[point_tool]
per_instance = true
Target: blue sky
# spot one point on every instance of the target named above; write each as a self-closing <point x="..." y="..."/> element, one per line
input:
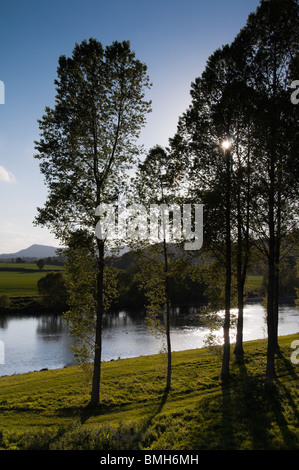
<point x="174" y="38"/>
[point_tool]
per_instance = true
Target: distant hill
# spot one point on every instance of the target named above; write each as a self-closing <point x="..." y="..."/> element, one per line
<point x="34" y="251"/>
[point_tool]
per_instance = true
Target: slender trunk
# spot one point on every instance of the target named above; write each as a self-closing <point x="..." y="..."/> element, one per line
<point x="272" y="304"/>
<point x="271" y="321"/>
<point x="277" y="254"/>
<point x="239" y="352"/>
<point x="168" y="379"/>
<point x="96" y="380"/>
<point x="242" y="269"/>
<point x="276" y="299"/>
<point x="226" y="327"/>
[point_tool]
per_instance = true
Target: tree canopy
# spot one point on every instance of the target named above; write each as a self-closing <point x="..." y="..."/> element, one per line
<point x="88" y="142"/>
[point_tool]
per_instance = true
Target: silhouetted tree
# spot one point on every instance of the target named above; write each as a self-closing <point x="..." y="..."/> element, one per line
<point x="40" y="263"/>
<point x="155" y="184"/>
<point x="244" y="95"/>
<point x="271" y="51"/>
<point x="88" y="141"/>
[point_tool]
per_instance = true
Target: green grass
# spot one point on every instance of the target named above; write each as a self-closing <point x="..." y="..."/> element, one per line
<point x="19" y="283"/>
<point x="47" y="410"/>
<point x="21" y="278"/>
<point x="253" y="284"/>
<point x="254" y="281"/>
<point x="31" y="266"/>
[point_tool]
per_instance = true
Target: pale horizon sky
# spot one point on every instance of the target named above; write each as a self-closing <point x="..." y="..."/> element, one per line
<point x="173" y="37"/>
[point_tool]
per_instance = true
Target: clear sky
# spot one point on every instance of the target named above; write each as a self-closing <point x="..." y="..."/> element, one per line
<point x="173" y="37"/>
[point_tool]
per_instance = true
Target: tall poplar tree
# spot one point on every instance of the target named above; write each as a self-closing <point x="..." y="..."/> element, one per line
<point x="88" y="141"/>
<point x="269" y="42"/>
<point x="155" y="183"/>
<point x="244" y="94"/>
<point x="213" y="140"/>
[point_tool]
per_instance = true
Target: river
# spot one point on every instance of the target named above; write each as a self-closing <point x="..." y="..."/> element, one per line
<point x="29" y="343"/>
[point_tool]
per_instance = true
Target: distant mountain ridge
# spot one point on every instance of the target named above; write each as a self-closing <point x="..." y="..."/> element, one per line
<point x="33" y="251"/>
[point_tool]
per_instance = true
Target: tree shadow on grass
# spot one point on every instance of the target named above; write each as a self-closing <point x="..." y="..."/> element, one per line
<point x="290" y="439"/>
<point x="226" y="438"/>
<point x="253" y="410"/>
<point x="92" y="411"/>
<point x="158" y="410"/>
<point x="162" y="403"/>
<point x="247" y="414"/>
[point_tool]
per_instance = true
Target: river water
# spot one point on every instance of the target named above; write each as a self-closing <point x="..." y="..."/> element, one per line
<point x="29" y="343"/>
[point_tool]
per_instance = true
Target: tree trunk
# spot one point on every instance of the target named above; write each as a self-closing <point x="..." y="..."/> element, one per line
<point x="95" y="392"/>
<point x="226" y="327"/>
<point x="273" y="262"/>
<point x="168" y="379"/>
<point x="271" y="320"/>
<point x="239" y="352"/>
<point x="277" y="253"/>
<point x="242" y="268"/>
<point x="276" y="302"/>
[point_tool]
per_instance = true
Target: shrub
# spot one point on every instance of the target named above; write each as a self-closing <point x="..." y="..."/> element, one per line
<point x="4" y="301"/>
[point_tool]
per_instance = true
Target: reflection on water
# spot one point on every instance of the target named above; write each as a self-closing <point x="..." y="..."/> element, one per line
<point x="50" y="327"/>
<point x="3" y="322"/>
<point x="33" y="343"/>
<point x="36" y="342"/>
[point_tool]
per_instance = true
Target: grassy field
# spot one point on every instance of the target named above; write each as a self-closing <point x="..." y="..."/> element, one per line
<point x="253" y="285"/>
<point x="47" y="410"/>
<point x="20" y="279"/>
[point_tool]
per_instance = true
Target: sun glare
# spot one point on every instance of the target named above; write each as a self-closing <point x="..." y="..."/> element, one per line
<point x="226" y="144"/>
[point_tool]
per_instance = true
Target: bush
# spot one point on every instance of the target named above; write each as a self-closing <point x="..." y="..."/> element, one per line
<point x="53" y="290"/>
<point x="4" y="301"/>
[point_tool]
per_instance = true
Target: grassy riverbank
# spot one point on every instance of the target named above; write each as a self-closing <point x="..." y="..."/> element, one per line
<point x="47" y="409"/>
<point x="19" y="288"/>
